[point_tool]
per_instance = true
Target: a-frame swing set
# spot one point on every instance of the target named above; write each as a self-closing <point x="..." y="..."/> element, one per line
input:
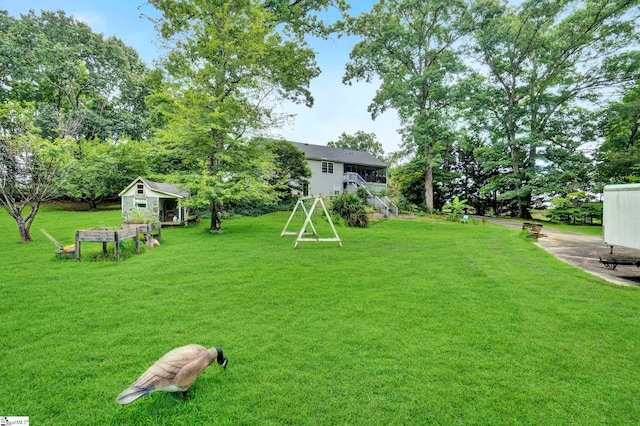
<point x="308" y="222"/>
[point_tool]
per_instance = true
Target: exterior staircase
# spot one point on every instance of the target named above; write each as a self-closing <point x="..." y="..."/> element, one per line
<point x="381" y="203"/>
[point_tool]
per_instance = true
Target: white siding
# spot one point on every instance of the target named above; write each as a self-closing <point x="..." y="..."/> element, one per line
<point x="148" y="192"/>
<point x="323" y="183"/>
<point x="155" y="203"/>
<point x="621" y="215"/>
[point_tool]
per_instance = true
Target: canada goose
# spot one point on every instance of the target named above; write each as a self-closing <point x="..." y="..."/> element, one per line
<point x="174" y="372"/>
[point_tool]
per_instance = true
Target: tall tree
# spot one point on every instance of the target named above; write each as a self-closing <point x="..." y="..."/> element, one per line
<point x="410" y="45"/>
<point x="227" y="59"/>
<point x="359" y="141"/>
<point x="541" y="60"/>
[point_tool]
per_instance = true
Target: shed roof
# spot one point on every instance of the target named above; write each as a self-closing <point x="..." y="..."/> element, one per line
<point x="340" y="155"/>
<point x="164" y="188"/>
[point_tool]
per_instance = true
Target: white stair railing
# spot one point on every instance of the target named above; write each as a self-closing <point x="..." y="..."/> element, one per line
<point x="385" y="205"/>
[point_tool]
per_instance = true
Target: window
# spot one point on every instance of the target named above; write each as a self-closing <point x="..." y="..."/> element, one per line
<point x="141" y="203"/>
<point x="327" y="167"/>
<point x="140" y="189"/>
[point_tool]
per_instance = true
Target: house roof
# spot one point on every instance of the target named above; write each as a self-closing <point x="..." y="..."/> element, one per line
<point x="340" y="155"/>
<point x="164" y="188"/>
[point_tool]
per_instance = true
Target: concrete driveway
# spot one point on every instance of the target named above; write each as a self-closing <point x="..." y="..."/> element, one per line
<point x="584" y="251"/>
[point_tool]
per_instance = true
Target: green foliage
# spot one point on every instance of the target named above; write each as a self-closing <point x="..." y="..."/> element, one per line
<point x="467" y="173"/>
<point x="81" y="84"/>
<point x="351" y="209"/>
<point x="142" y="216"/>
<point x="319" y="334"/>
<point x="257" y="208"/>
<point x="292" y="171"/>
<point x="127" y="250"/>
<point x="457" y="206"/>
<point x="619" y="156"/>
<point x="32" y="169"/>
<point x="362" y="193"/>
<point x="547" y="62"/>
<point x="104" y="169"/>
<point x="575" y="208"/>
<point x="241" y="175"/>
<point x="360" y="141"/>
<point x="408" y="178"/>
<point x="409" y="46"/>
<point x="228" y="62"/>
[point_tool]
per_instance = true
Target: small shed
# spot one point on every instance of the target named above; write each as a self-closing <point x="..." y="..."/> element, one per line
<point x="147" y="201"/>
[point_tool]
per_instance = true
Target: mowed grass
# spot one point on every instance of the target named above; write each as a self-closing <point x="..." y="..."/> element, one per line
<point x="410" y="322"/>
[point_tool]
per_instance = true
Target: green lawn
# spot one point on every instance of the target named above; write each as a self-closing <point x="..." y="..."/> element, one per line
<point x="579" y="228"/>
<point x="582" y="229"/>
<point x="410" y="322"/>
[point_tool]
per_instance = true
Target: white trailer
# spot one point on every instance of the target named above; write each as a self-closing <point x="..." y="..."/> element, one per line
<point x="621" y="215"/>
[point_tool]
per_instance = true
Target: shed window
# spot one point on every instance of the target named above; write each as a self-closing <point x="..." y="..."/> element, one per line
<point x="141" y="203"/>
<point x="140" y="189"/>
<point x="327" y="167"/>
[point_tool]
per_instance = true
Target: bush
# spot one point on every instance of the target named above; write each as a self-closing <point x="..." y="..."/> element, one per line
<point x="575" y="208"/>
<point x="142" y="216"/>
<point x="257" y="208"/>
<point x="362" y="194"/>
<point x="351" y="209"/>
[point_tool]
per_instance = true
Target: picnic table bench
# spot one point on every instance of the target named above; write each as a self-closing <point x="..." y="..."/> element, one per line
<point x="613" y="262"/>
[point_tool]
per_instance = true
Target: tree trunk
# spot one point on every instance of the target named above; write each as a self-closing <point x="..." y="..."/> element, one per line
<point x="428" y="189"/>
<point x="23" y="228"/>
<point x="216" y="224"/>
<point x="523" y="212"/>
<point x="523" y="207"/>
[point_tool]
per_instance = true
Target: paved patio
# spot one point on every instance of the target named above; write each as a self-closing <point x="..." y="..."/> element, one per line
<point x="584" y="251"/>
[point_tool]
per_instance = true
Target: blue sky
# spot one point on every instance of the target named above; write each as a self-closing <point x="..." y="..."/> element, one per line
<point x="338" y="108"/>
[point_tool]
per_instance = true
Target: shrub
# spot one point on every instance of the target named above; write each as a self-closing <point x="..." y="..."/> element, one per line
<point x="351" y="209"/>
<point x="362" y="193"/>
<point x="575" y="208"/>
<point x="142" y="216"/>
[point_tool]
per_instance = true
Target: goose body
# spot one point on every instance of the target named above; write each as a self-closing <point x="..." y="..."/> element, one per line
<point x="176" y="371"/>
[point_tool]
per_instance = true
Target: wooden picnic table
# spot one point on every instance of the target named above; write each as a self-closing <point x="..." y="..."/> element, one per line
<point x="613" y="262"/>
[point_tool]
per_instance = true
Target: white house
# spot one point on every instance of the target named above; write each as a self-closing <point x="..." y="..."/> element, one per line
<point x="154" y="200"/>
<point x="334" y="170"/>
<point x="338" y="170"/>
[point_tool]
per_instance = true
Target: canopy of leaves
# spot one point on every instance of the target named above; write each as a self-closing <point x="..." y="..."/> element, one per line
<point x="104" y="170"/>
<point x="619" y="155"/>
<point x="360" y="141"/>
<point x="544" y="62"/>
<point x="292" y="172"/>
<point x="81" y="84"/>
<point x="227" y="62"/>
<point x="410" y="46"/>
